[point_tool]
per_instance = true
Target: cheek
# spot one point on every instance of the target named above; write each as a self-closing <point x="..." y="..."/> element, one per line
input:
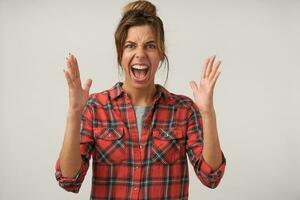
<point x="155" y="62"/>
<point x="125" y="60"/>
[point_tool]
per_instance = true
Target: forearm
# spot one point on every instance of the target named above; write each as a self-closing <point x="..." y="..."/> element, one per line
<point x="211" y="150"/>
<point x="70" y="157"/>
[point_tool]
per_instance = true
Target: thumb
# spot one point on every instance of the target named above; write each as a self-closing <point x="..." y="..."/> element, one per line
<point x="194" y="86"/>
<point x="87" y="85"/>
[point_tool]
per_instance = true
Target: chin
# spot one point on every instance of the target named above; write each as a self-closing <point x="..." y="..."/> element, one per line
<point x="143" y="85"/>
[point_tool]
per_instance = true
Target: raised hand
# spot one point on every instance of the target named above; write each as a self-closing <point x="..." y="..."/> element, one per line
<point x="203" y="94"/>
<point x="78" y="95"/>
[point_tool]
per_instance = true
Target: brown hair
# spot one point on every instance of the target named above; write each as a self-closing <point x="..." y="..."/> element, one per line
<point x="140" y="13"/>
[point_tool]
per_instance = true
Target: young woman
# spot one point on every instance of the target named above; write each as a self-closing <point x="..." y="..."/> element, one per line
<point x="137" y="132"/>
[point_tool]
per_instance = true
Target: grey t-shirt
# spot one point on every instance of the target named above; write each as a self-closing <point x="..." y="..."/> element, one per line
<point x="140" y="113"/>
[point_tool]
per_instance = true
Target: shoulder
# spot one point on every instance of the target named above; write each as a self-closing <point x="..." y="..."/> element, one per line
<point x="180" y="101"/>
<point x="105" y="97"/>
<point x="98" y="98"/>
<point x="183" y="100"/>
<point x="177" y="99"/>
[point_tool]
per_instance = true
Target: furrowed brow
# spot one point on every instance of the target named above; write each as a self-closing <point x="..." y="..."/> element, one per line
<point x="151" y="41"/>
<point x="130" y="42"/>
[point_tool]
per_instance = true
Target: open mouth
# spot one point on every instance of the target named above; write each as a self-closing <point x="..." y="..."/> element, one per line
<point x="139" y="71"/>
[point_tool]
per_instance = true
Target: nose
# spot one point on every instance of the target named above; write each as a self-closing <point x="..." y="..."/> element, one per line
<point x="140" y="53"/>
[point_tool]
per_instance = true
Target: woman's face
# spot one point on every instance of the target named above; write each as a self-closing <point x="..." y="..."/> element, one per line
<point x="140" y="58"/>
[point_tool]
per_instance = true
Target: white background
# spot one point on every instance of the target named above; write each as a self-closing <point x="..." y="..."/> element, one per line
<point x="256" y="97"/>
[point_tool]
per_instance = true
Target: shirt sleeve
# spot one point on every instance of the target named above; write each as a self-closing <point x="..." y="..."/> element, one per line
<point x="73" y="184"/>
<point x="210" y="178"/>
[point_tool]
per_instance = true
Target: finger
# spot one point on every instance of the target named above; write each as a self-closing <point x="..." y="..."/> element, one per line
<point x="69" y="69"/>
<point x="87" y="85"/>
<point x="204" y="68"/>
<point x="76" y="70"/>
<point x="214" y="70"/>
<point x="73" y="75"/>
<point x="68" y="78"/>
<point x="209" y="66"/>
<point x="75" y="65"/>
<point x="215" y="78"/>
<point x="194" y="86"/>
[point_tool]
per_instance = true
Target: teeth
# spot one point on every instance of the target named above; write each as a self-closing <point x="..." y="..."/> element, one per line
<point x="139" y="71"/>
<point x="139" y="67"/>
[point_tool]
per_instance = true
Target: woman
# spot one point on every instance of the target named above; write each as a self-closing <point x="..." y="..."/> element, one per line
<point x="137" y="132"/>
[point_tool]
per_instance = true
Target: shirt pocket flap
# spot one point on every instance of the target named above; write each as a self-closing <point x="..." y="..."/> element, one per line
<point x="171" y="134"/>
<point x="109" y="133"/>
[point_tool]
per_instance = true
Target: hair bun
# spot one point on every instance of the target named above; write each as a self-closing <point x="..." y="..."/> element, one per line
<point x="144" y="6"/>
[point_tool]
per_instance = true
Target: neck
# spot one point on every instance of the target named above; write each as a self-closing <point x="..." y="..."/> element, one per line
<point x="140" y="96"/>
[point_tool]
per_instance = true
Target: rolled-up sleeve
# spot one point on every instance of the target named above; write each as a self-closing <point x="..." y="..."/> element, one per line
<point x="73" y="184"/>
<point x="210" y="178"/>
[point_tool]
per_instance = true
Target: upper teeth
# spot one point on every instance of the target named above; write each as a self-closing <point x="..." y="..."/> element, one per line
<point x="139" y="67"/>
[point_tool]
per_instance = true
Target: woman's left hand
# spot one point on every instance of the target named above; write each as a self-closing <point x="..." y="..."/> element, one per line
<point x="203" y="94"/>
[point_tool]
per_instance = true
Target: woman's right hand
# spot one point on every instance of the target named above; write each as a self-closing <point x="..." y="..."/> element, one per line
<point x="78" y="95"/>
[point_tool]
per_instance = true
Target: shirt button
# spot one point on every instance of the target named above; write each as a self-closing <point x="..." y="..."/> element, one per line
<point x="135" y="188"/>
<point x="141" y="146"/>
<point x="136" y="167"/>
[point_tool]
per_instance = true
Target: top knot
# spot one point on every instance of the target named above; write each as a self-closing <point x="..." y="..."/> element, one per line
<point x="141" y="5"/>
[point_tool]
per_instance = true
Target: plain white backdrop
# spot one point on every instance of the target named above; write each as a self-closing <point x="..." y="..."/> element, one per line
<point x="257" y="97"/>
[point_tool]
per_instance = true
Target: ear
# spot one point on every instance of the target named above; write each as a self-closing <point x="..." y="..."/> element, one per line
<point x="162" y="57"/>
<point x="160" y="64"/>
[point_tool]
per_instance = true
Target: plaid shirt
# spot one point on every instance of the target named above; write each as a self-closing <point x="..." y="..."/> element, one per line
<point x="153" y="167"/>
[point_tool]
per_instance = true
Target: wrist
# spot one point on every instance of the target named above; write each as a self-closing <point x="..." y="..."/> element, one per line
<point x="208" y="113"/>
<point x="74" y="112"/>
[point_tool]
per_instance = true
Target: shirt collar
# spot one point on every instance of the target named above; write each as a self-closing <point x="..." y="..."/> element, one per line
<point x="117" y="91"/>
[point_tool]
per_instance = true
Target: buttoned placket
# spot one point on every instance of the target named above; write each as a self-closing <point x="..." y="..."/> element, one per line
<point x="137" y="154"/>
<point x="139" y="150"/>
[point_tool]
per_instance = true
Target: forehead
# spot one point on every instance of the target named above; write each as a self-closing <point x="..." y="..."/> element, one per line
<point x="142" y="33"/>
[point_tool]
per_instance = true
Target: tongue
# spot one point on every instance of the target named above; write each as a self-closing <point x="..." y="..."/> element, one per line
<point x="139" y="73"/>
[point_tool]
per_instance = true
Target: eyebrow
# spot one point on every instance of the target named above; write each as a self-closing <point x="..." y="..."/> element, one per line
<point x="151" y="41"/>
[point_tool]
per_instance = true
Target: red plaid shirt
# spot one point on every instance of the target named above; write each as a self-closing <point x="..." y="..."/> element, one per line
<point x="153" y="167"/>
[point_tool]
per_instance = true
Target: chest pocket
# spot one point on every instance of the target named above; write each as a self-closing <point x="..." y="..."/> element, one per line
<point x="110" y="145"/>
<point x="167" y="145"/>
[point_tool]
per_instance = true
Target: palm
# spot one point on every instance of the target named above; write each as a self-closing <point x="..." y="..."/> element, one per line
<point x="77" y="94"/>
<point x="203" y="94"/>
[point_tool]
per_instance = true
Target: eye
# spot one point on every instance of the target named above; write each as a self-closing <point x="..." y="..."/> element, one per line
<point x="129" y="46"/>
<point x="151" y="46"/>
